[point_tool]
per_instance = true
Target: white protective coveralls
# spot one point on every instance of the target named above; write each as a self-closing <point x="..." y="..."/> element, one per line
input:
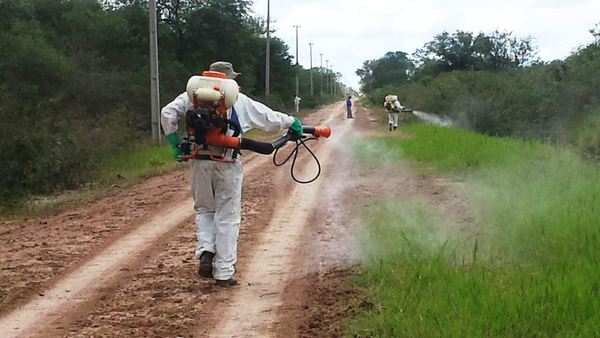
<point x="393" y="111"/>
<point x="217" y="186"/>
<point x="297" y="103"/>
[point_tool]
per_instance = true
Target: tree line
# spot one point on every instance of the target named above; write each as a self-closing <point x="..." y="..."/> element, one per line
<point x="74" y="78"/>
<point x="495" y="84"/>
<point x="448" y="52"/>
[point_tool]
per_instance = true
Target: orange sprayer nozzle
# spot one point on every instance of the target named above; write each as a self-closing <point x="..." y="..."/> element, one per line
<point x="322" y="131"/>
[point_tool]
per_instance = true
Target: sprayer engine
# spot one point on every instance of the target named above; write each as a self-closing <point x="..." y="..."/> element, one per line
<point x="201" y="121"/>
<point x="212" y="96"/>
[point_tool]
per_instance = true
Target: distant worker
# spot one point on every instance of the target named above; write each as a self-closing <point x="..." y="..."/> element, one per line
<point x="349" y="107"/>
<point x="393" y="107"/>
<point x="297" y="103"/>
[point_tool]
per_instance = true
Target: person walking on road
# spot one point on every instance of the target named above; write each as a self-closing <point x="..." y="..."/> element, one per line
<point x="393" y="108"/>
<point x="217" y="185"/>
<point x="349" y="107"/>
<point x="297" y="104"/>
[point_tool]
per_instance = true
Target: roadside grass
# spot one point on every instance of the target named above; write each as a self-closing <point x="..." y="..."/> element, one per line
<point x="142" y="161"/>
<point x="533" y="269"/>
<point x="118" y="170"/>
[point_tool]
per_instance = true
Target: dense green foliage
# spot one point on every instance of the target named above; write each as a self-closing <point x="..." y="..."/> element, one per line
<point x="508" y="95"/>
<point x="466" y="51"/>
<point x="447" y="52"/>
<point x="393" y="68"/>
<point x="117" y="169"/>
<point x="528" y="265"/>
<point x="74" y="78"/>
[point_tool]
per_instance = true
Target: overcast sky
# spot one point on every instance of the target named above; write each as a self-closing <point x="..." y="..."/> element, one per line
<point x="349" y="32"/>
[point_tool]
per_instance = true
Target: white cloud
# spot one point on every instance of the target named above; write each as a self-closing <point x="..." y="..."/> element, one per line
<point x="350" y="32"/>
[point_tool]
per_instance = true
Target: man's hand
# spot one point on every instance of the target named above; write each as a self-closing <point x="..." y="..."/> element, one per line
<point x="296" y="127"/>
<point x="174" y="142"/>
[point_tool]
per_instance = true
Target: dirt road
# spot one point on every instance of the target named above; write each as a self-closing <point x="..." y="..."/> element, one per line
<point x="124" y="266"/>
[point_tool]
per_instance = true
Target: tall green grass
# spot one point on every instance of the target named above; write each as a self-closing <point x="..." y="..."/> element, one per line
<point x="533" y="269"/>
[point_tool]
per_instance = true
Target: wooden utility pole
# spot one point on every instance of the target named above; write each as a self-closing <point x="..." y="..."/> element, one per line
<point x="296" y="26"/>
<point x="312" y="92"/>
<point x="321" y="77"/>
<point x="327" y="76"/>
<point x="154" y="89"/>
<point x="268" y="52"/>
<point x="334" y="84"/>
<point x="297" y="82"/>
<point x="332" y="80"/>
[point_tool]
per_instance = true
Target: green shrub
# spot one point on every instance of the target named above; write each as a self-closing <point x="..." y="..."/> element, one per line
<point x="543" y="101"/>
<point x="588" y="138"/>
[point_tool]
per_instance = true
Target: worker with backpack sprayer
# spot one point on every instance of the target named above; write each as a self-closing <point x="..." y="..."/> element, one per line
<point x="216" y="116"/>
<point x="393" y="108"/>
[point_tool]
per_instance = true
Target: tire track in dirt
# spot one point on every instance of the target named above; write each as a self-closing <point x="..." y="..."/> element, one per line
<point x="35" y="252"/>
<point x="319" y="301"/>
<point x="80" y="285"/>
<point x="327" y="249"/>
<point x="117" y="286"/>
<point x="162" y="295"/>
<point x="251" y="309"/>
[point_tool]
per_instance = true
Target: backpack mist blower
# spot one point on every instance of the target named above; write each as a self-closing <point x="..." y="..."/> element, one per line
<point x="212" y="132"/>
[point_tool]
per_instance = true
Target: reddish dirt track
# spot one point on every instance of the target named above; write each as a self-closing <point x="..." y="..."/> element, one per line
<point x="124" y="266"/>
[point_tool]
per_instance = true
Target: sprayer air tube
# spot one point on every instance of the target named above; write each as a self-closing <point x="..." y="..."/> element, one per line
<point x="258" y="147"/>
<point x="263" y="147"/>
<point x="308" y="130"/>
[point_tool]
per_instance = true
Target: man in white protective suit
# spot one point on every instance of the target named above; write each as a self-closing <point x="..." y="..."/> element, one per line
<point x="217" y="185"/>
<point x="393" y="108"/>
<point x="297" y="103"/>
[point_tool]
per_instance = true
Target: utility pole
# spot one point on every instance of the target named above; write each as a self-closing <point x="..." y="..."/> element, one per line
<point x="311" y="70"/>
<point x="332" y="79"/>
<point x="268" y="52"/>
<point x="327" y="75"/>
<point x="154" y="89"/>
<point x="296" y="26"/>
<point x="335" y="84"/>
<point x="596" y="33"/>
<point x="297" y="83"/>
<point x="321" y="77"/>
